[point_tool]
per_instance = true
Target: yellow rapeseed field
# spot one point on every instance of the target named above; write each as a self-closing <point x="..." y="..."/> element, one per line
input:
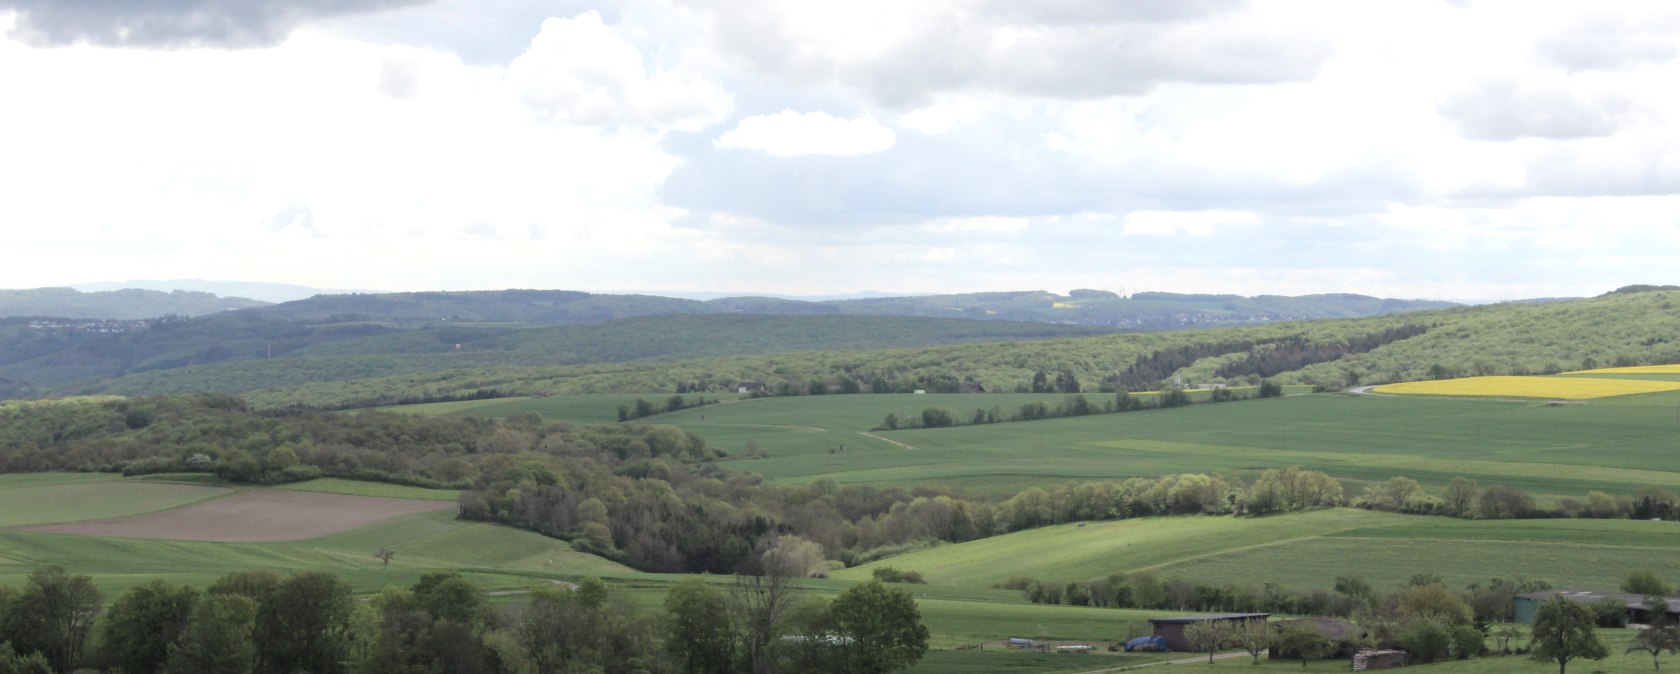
<point x="1637" y="369"/>
<point x="1561" y="388"/>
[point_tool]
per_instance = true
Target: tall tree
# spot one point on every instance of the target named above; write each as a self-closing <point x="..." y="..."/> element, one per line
<point x="53" y="615"/>
<point x="310" y="620"/>
<point x="697" y="628"/>
<point x="879" y="628"/>
<point x="143" y="623"/>
<point x="1563" y="631"/>
<point x="218" y="638"/>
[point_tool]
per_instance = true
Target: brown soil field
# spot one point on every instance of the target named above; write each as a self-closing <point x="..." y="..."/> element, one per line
<point x="255" y="515"/>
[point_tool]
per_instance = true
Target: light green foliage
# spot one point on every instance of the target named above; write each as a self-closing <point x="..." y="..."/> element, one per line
<point x="1304" y="641"/>
<point x="141" y="625"/>
<point x="1208" y="636"/>
<point x="1645" y="582"/>
<point x="1563" y="631"/>
<point x="880" y="627"/>
<point x="697" y="629"/>
<point x="218" y="639"/>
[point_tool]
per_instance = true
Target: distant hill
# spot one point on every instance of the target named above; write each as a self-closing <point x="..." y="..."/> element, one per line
<point x="1508" y="338"/>
<point x="1143" y="311"/>
<point x="241" y="351"/>
<point x="129" y="304"/>
<point x="328" y="338"/>
<point x="265" y="292"/>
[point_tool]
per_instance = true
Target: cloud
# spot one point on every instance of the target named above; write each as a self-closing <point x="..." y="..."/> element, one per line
<point x="903" y="53"/>
<point x="1502" y="110"/>
<point x="788" y="134"/>
<point x="579" y="70"/>
<point x="1194" y="223"/>
<point x="1610" y="42"/>
<point x="178" y="23"/>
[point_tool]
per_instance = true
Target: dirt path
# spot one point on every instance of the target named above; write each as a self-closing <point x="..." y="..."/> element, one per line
<point x="254" y="515"/>
<point x="1184" y="661"/>
<point x="889" y="441"/>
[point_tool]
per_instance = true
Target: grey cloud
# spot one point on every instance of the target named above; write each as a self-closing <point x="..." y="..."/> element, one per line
<point x="1085" y="12"/>
<point x="1502" y="111"/>
<point x="1060" y="50"/>
<point x="1001" y="168"/>
<point x="1610" y="43"/>
<point x="177" y="23"/>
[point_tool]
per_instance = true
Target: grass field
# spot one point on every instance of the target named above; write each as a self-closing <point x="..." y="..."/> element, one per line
<point x="52" y="498"/>
<point x="1306" y="550"/>
<point x="1613" y="444"/>
<point x="1558" y="388"/>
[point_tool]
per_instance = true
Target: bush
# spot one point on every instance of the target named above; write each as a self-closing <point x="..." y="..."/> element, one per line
<point x="887" y="574"/>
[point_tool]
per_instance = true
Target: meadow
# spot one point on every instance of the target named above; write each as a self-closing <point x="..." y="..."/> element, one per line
<point x="1550" y="451"/>
<point x="1307" y="550"/>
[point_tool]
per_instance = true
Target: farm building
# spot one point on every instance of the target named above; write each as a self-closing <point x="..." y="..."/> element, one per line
<point x="971" y="388"/>
<point x="750" y="387"/>
<point x="1525" y="605"/>
<point x="1172" y="629"/>
<point x="1343" y="634"/>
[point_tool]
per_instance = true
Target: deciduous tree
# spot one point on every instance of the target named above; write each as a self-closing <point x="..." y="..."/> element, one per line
<point x="1563" y="631"/>
<point x="880" y="629"/>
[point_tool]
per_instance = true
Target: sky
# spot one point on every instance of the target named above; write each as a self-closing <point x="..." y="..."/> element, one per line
<point x="1415" y="148"/>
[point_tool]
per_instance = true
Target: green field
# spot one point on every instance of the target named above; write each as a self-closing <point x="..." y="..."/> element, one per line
<point x="1550" y="451"/>
<point x="1306" y="550"/>
<point x="52" y="498"/>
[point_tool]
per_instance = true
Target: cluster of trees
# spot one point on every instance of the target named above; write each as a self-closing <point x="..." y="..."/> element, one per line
<point x="644" y="408"/>
<point x="1077" y="405"/>
<point x="1463" y="498"/>
<point x="259" y="621"/>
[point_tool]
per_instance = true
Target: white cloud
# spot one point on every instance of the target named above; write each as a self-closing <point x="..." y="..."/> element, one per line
<point x="1194" y="223"/>
<point x="992" y="224"/>
<point x="943" y="116"/>
<point x="788" y="133"/>
<point x="579" y="70"/>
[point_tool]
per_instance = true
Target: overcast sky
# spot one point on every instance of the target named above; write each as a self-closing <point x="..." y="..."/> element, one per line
<point x="1463" y="150"/>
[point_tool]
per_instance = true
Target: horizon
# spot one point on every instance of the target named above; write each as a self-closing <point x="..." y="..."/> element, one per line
<point x="1522" y="150"/>
<point x="302" y="292"/>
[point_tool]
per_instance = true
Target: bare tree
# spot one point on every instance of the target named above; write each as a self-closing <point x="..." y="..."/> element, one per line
<point x="385" y="554"/>
<point x="761" y="598"/>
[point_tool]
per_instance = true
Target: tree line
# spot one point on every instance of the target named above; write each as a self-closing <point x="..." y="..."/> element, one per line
<point x="1425" y="618"/>
<point x="262" y="622"/>
<point x="1077" y="405"/>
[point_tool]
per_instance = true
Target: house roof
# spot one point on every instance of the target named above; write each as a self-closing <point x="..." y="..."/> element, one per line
<point x="1629" y="599"/>
<point x="1185" y="620"/>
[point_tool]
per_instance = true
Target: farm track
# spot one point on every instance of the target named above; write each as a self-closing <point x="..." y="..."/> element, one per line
<point x="1184" y="661"/>
<point x="889" y="441"/>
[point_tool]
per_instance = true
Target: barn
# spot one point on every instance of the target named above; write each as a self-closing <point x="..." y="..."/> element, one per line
<point x="1172" y="629"/>
<point x="1525" y="605"/>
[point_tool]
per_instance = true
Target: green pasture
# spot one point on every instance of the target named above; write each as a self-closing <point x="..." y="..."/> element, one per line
<point x="1306" y="550"/>
<point x="53" y="498"/>
<point x="1550" y="451"/>
<point x="1616" y="445"/>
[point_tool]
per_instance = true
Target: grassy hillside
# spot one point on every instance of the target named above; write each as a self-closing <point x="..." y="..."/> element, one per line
<point x="1613" y="444"/>
<point x="1306" y="550"/>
